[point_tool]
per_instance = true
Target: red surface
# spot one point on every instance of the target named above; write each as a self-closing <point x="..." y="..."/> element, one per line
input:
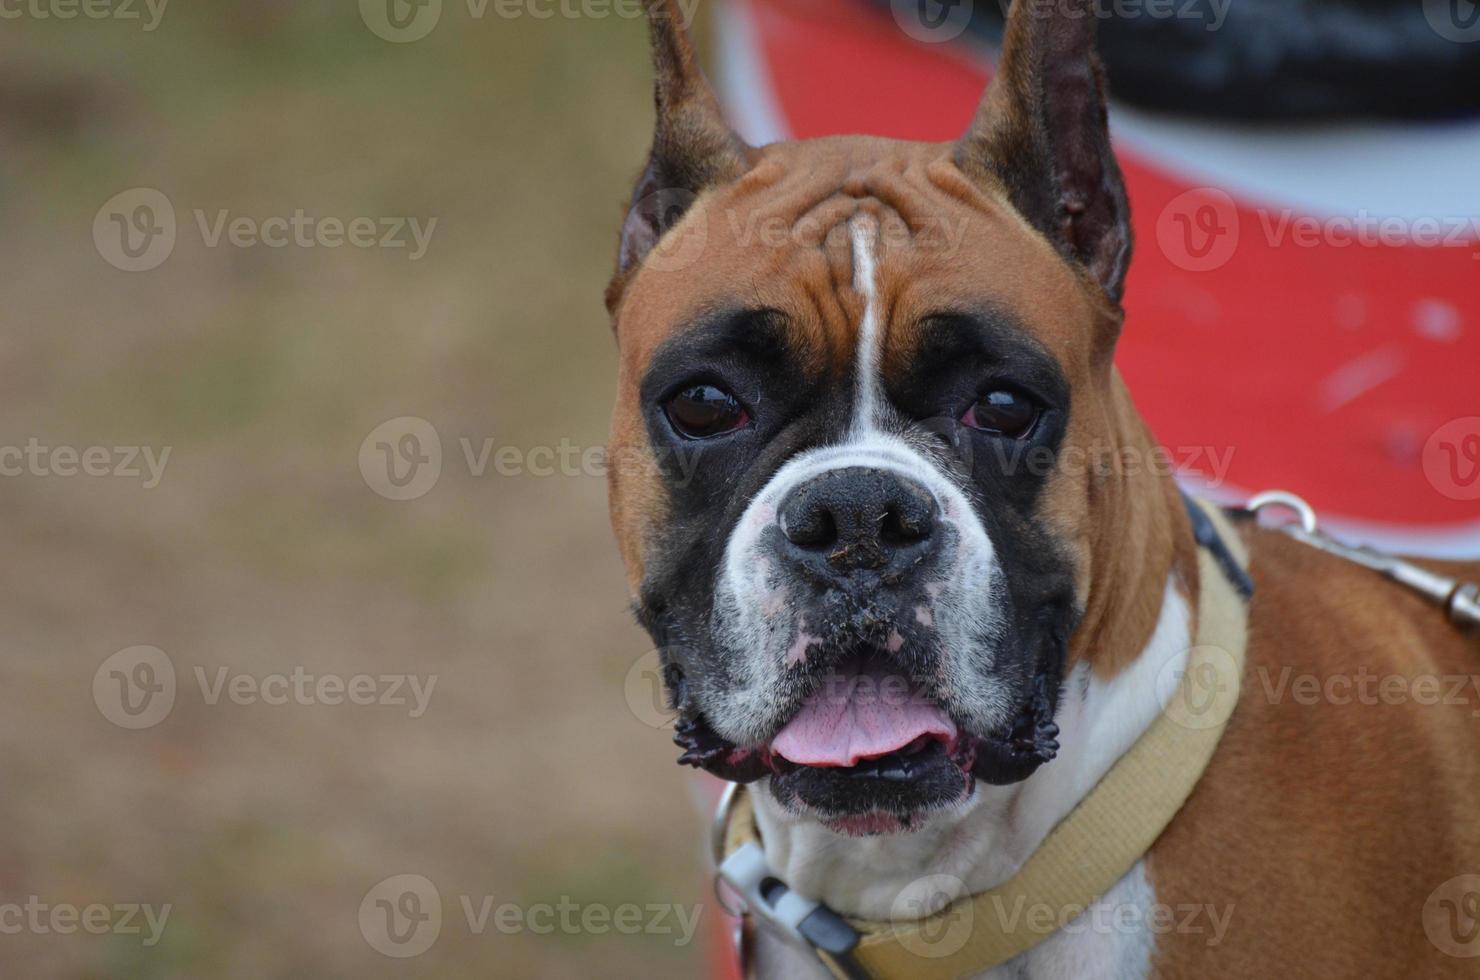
<point x="1243" y="357"/>
<point x="838" y="68"/>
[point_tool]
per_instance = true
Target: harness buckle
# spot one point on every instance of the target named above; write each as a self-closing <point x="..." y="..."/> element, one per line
<point x="767" y="900"/>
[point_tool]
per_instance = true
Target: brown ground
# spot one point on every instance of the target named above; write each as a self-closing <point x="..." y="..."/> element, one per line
<point x="263" y="550"/>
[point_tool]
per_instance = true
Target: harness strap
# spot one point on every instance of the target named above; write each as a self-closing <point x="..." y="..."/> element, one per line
<point x="1211" y="540"/>
<point x="1091" y="849"/>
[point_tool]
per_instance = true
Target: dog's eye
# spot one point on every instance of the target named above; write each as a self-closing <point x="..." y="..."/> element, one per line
<point x="1003" y="413"/>
<point x="704" y="411"/>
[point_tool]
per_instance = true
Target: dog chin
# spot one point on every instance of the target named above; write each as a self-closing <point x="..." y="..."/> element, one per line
<point x="889" y="794"/>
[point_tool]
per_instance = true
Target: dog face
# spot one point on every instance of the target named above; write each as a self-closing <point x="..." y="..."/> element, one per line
<point x="849" y="371"/>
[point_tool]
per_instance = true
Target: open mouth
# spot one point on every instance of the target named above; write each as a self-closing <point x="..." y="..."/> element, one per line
<point x="870" y="752"/>
<point x="859" y="713"/>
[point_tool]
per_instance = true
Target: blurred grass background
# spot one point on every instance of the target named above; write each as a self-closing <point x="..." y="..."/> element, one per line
<point x="263" y="549"/>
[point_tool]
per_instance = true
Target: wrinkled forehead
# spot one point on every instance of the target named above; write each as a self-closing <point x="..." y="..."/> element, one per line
<point x="789" y="235"/>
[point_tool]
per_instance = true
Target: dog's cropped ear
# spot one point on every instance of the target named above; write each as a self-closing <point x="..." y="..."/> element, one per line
<point x="693" y="148"/>
<point x="1041" y="131"/>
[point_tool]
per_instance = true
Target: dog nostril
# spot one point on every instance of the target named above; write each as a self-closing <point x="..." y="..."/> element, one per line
<point x="817" y="529"/>
<point x="909" y="515"/>
<point x="807" y="521"/>
<point x="902" y="526"/>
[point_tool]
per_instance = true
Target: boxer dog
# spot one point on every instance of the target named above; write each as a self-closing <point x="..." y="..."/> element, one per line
<point x="876" y="513"/>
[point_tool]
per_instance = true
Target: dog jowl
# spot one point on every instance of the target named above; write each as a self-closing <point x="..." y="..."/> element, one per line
<point x="852" y="546"/>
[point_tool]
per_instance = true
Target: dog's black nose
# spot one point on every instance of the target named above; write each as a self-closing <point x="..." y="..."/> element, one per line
<point x="859" y="518"/>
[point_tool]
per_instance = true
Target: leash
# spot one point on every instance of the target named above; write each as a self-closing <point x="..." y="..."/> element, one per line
<point x="1460" y="600"/>
<point x="1082" y="858"/>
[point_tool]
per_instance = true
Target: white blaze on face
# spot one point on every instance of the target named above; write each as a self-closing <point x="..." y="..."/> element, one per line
<point x="864" y="234"/>
<point x="763" y="638"/>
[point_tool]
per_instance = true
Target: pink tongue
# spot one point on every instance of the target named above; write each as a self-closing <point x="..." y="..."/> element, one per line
<point x="859" y="717"/>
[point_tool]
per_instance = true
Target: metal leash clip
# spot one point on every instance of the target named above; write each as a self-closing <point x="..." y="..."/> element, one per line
<point x="805" y="922"/>
<point x="1459" y="600"/>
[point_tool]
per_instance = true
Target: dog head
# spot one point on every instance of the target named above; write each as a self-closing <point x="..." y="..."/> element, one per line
<point x="851" y="370"/>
